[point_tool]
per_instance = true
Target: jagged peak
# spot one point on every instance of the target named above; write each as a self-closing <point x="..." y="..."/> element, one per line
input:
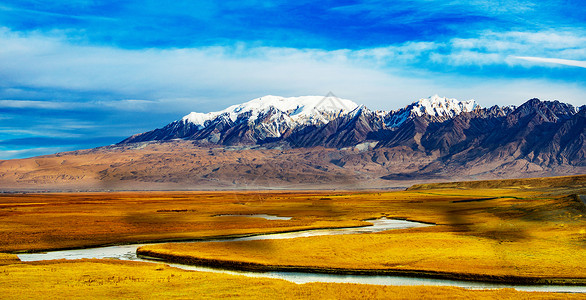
<point x="555" y="109"/>
<point x="434" y="106"/>
<point x="303" y="109"/>
<point x="442" y="106"/>
<point x="359" y="110"/>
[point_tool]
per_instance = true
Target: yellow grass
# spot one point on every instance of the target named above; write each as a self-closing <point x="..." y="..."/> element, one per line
<point x="525" y="233"/>
<point x="53" y="221"/>
<point x="417" y="249"/>
<point x="530" y="230"/>
<point x="560" y="182"/>
<point x="109" y="279"/>
<point x="6" y="259"/>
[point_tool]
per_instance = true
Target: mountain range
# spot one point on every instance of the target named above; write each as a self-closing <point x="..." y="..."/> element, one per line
<point x="325" y="142"/>
<point x="301" y="122"/>
<point x="542" y="132"/>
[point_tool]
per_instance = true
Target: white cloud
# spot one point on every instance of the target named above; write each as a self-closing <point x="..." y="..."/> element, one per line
<point x="211" y="78"/>
<point x="494" y="48"/>
<point x="558" y="61"/>
<point x="125" y="104"/>
<point x="11" y="154"/>
<point x="33" y="104"/>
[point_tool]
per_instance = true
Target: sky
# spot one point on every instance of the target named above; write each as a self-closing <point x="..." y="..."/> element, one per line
<point x="77" y="74"/>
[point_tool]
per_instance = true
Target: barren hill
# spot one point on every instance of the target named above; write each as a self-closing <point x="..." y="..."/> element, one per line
<point x="179" y="165"/>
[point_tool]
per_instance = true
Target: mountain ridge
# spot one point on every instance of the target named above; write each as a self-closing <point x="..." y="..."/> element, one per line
<point x="546" y="133"/>
<point x="270" y="118"/>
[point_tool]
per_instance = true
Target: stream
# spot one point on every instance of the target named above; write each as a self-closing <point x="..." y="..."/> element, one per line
<point x="128" y="252"/>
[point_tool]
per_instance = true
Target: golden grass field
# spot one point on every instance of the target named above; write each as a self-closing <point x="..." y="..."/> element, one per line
<point x="532" y="236"/>
<point x="110" y="279"/>
<point x="526" y="229"/>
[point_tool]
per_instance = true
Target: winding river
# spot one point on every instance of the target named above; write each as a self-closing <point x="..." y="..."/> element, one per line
<point x="128" y="252"/>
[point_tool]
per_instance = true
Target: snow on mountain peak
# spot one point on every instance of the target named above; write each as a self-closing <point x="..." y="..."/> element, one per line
<point x="291" y="112"/>
<point x="296" y="110"/>
<point x="296" y="106"/>
<point x="442" y="107"/>
<point x="197" y="119"/>
<point x="435" y="106"/>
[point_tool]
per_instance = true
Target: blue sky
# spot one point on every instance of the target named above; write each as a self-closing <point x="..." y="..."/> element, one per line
<point x="80" y="74"/>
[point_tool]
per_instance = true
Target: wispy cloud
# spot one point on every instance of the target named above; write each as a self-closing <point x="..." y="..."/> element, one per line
<point x="11" y="154"/>
<point x="33" y="104"/>
<point x="125" y="104"/>
<point x="177" y="80"/>
<point x="557" y="61"/>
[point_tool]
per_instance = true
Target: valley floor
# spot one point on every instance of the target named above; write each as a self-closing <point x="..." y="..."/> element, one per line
<point x="526" y="229"/>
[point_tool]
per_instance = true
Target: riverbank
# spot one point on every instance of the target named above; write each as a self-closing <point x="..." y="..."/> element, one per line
<point x="258" y="267"/>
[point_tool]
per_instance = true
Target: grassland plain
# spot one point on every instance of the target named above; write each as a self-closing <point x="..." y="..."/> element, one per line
<point x="111" y="279"/>
<point x="37" y="222"/>
<point x="520" y="234"/>
<point x="478" y="231"/>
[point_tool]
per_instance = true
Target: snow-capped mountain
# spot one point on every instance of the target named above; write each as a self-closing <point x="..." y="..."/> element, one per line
<point x="542" y="132"/>
<point x="261" y="119"/>
<point x="292" y="112"/>
<point x="439" y="108"/>
<point x="270" y="118"/>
